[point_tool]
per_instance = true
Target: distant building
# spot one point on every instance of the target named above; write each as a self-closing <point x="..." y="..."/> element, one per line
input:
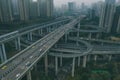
<point x="5" y="11"/>
<point x="24" y="10"/>
<point x="71" y="7"/>
<point x="116" y="21"/>
<point x="64" y="9"/>
<point x="107" y="15"/>
<point x="34" y="9"/>
<point x="97" y="8"/>
<point x="84" y="9"/>
<point x="46" y="8"/>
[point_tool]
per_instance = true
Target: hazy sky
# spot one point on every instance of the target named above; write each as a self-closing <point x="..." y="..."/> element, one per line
<point x="59" y="2"/>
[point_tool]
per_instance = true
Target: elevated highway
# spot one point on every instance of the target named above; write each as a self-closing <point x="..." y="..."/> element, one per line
<point x="27" y="32"/>
<point x="94" y="40"/>
<point x="67" y="51"/>
<point x="17" y="64"/>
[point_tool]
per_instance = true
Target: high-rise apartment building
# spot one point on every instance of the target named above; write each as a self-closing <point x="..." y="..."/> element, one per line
<point x="71" y="6"/>
<point x="107" y="15"/>
<point x="46" y="8"/>
<point x="5" y="11"/>
<point x="116" y="21"/>
<point x="24" y="10"/>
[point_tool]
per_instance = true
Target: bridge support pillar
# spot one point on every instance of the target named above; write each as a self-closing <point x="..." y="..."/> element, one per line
<point x="73" y="67"/>
<point x="30" y="36"/>
<point x="110" y="57"/>
<point x="95" y="58"/>
<point x="17" y="43"/>
<point x="46" y="64"/>
<point x="29" y="76"/>
<point x="41" y="30"/>
<point x="56" y="65"/>
<point x="61" y="59"/>
<point x="97" y="35"/>
<point x="3" y="52"/>
<point x="78" y="61"/>
<point x="90" y="35"/>
<point x="66" y="37"/>
<point x="36" y="68"/>
<point x="78" y="34"/>
<point x="88" y="58"/>
<point x="47" y="29"/>
<point x="84" y="61"/>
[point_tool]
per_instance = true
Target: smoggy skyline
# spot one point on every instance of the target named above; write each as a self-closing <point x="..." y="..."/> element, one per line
<point x="58" y="3"/>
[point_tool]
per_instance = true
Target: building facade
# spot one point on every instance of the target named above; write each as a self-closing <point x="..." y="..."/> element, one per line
<point x="71" y="7"/>
<point x="25" y="10"/>
<point x="107" y="15"/>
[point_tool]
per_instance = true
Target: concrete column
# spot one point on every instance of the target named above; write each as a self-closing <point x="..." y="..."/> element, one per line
<point x="97" y="35"/>
<point x="29" y="75"/>
<point x="73" y="67"/>
<point x="47" y="29"/>
<point x="79" y="26"/>
<point x="17" y="43"/>
<point x="95" y="58"/>
<point x="36" y="68"/>
<point x="66" y="38"/>
<point x="56" y="65"/>
<point x="88" y="58"/>
<point x="84" y="61"/>
<point x="3" y="52"/>
<point x="110" y="57"/>
<point x="78" y="34"/>
<point x="41" y="30"/>
<point x="90" y="35"/>
<point x="78" y="61"/>
<point x="60" y="61"/>
<point x="46" y="64"/>
<point x="30" y="36"/>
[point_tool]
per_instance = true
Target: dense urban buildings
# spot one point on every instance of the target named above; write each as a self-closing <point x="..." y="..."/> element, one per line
<point x="24" y="10"/>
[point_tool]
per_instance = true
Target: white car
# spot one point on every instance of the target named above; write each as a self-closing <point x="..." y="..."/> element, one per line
<point x="40" y="50"/>
<point x="17" y="75"/>
<point x="31" y="56"/>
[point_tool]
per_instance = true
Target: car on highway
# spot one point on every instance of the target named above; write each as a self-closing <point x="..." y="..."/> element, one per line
<point x="28" y="64"/>
<point x="31" y="56"/>
<point x="33" y="47"/>
<point x="17" y="75"/>
<point x="40" y="50"/>
<point x="4" y="67"/>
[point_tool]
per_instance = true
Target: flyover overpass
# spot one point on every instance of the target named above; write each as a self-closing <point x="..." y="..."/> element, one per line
<point x="16" y="35"/>
<point x="37" y="50"/>
<point x="33" y="53"/>
<point x="94" y="40"/>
